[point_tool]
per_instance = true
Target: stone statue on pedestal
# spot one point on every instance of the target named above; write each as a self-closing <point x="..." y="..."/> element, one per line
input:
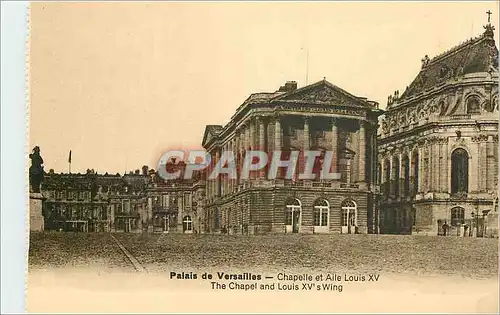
<point x="36" y="170"/>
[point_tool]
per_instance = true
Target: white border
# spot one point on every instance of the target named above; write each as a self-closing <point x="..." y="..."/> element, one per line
<point x="13" y="158"/>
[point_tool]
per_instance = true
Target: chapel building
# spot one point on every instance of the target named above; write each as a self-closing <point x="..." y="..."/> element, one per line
<point x="438" y="146"/>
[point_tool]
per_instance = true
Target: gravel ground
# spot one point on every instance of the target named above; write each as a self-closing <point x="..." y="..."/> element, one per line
<point x="469" y="257"/>
<point x="53" y="249"/>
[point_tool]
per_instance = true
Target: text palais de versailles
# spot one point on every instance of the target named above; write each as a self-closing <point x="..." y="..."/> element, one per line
<point x="428" y="165"/>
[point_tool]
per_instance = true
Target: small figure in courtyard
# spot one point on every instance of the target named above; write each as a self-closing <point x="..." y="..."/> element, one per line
<point x="36" y="170"/>
<point x="445" y="228"/>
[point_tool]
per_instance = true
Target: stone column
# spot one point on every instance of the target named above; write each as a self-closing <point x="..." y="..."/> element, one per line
<point x="335" y="135"/>
<point x="306" y="144"/>
<point x="443" y="167"/>
<point x="150" y="214"/>
<point x="237" y="152"/>
<point x="401" y="175"/>
<point x="391" y="175"/>
<point x="225" y="178"/>
<point x="410" y="170"/>
<point x="420" y="168"/>
<point x="252" y="135"/>
<point x="262" y="143"/>
<point x="362" y="152"/>
<point x="483" y="164"/>
<point x="277" y="134"/>
<point x="436" y="166"/>
<point x="247" y="136"/>
<point x="217" y="181"/>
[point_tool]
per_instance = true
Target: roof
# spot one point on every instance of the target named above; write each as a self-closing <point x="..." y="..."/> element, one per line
<point x="475" y="55"/>
<point x="323" y="93"/>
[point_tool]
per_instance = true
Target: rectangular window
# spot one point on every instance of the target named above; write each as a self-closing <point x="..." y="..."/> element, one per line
<point x="457" y="216"/>
<point x="165" y="201"/>
<point x="126" y="206"/>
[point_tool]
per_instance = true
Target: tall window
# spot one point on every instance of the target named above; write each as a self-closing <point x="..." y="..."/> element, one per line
<point x="457" y="216"/>
<point x="321" y="212"/>
<point x="165" y="200"/>
<point x="387" y="177"/>
<point x="459" y="171"/>
<point x="187" y="199"/>
<point x="415" y="171"/>
<point x="292" y="211"/>
<point x="395" y="172"/>
<point x="187" y="223"/>
<point x="406" y="171"/>
<point x="349" y="213"/>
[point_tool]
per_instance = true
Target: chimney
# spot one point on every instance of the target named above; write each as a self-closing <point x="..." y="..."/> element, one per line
<point x="289" y="87"/>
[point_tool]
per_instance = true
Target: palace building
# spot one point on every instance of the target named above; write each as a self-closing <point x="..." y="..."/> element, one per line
<point x="134" y="202"/>
<point x="427" y="165"/>
<point x="321" y="117"/>
<point x="438" y="146"/>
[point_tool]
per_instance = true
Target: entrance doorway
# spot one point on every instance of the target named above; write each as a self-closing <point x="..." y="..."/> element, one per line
<point x="293" y="216"/>
<point x="349" y="216"/>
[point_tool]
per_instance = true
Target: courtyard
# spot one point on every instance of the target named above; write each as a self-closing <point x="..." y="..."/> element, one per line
<point x="416" y="255"/>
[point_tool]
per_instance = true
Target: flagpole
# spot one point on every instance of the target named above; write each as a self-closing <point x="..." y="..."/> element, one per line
<point x="69" y="161"/>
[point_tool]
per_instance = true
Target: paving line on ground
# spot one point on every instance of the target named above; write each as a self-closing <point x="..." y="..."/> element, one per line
<point x="137" y="265"/>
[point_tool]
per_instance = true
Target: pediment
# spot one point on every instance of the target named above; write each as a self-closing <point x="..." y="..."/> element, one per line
<point x="211" y="131"/>
<point x="322" y="93"/>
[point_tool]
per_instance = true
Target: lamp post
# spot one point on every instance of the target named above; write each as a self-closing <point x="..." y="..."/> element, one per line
<point x="475" y="218"/>
<point x="485" y="213"/>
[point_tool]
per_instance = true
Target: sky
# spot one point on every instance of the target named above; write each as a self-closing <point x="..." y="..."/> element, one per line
<point x="118" y="84"/>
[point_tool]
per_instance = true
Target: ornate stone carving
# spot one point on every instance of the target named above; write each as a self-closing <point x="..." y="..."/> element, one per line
<point x="480" y="138"/>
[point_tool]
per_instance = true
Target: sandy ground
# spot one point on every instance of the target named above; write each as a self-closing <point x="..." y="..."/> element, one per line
<point x="89" y="273"/>
<point x="95" y="289"/>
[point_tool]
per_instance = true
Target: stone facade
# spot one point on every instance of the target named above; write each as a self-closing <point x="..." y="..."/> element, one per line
<point x="438" y="146"/>
<point x="135" y="202"/>
<point x="428" y="166"/>
<point x="318" y="117"/>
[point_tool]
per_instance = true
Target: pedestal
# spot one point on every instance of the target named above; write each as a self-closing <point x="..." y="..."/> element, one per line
<point x="36" y="214"/>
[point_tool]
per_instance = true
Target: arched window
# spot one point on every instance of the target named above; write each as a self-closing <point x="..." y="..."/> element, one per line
<point x="187" y="223"/>
<point x="457" y="216"/>
<point x="387" y="177"/>
<point x="459" y="171"/>
<point x="321" y="212"/>
<point x="396" y="175"/>
<point x="406" y="175"/>
<point x="473" y="106"/>
<point x="349" y="213"/>
<point x="293" y="208"/>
